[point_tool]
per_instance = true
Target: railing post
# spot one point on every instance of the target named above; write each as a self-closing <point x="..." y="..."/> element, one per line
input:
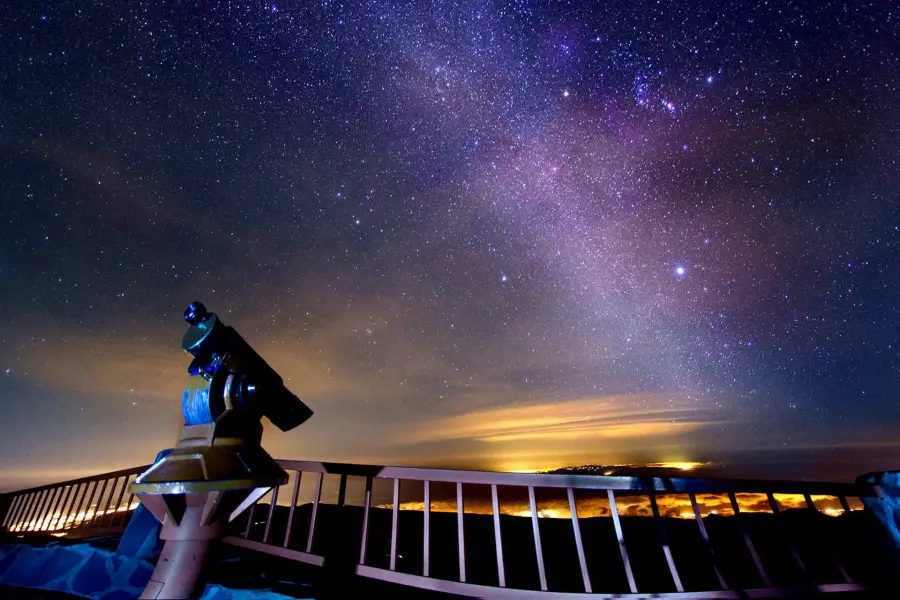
<point x="29" y="512"/>
<point x="498" y="540"/>
<point x="35" y="509"/>
<point x="290" y="521"/>
<point x="42" y="509"/>
<point x="792" y="547"/>
<point x="342" y="490"/>
<point x="837" y="561"/>
<point x="667" y="551"/>
<point x="112" y="492"/>
<point x="460" y="532"/>
<point x="21" y="518"/>
<point x="48" y="513"/>
<point x="395" y="513"/>
<point x="844" y="503"/>
<point x="115" y="514"/>
<point x="273" y="500"/>
<point x="120" y="515"/>
<point x="315" y="511"/>
<point x="55" y="522"/>
<point x="24" y="501"/>
<point x="703" y="534"/>
<point x="250" y="512"/>
<point x="85" y="503"/>
<point x="367" y="508"/>
<point x="536" y="532"/>
<point x="97" y="505"/>
<point x="26" y="510"/>
<point x="579" y="547"/>
<point x="750" y="547"/>
<point x="426" y="531"/>
<point x="620" y="537"/>
<point x="67" y="510"/>
<point x="125" y="515"/>
<point x="16" y="506"/>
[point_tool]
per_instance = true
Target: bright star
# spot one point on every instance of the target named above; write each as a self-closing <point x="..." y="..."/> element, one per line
<point x="680" y="271"/>
<point x="504" y="278"/>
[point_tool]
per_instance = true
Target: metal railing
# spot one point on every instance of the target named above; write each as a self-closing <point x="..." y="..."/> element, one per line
<point x="464" y="511"/>
<point x="653" y="489"/>
<point x="94" y="504"/>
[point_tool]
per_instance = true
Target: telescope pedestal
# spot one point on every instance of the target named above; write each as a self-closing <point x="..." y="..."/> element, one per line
<point x="179" y="570"/>
<point x="190" y="525"/>
<point x="195" y="491"/>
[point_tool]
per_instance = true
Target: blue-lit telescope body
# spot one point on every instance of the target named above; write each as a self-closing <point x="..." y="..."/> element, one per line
<point x="195" y="406"/>
<point x="234" y="379"/>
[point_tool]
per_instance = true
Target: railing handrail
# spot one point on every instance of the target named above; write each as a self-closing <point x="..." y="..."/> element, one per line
<point x="634" y="483"/>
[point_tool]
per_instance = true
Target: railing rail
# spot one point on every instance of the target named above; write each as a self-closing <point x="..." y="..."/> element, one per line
<point x="317" y="526"/>
<point x="635" y="483"/>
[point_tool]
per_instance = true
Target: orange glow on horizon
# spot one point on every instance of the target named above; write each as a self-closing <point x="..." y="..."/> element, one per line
<point x="637" y="505"/>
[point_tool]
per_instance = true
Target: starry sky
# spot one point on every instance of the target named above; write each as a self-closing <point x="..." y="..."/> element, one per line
<point x="504" y="235"/>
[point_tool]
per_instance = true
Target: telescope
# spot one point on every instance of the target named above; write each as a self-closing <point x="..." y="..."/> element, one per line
<point x="239" y="379"/>
<point x="218" y="467"/>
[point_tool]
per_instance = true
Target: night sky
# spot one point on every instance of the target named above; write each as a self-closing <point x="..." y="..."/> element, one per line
<point x="503" y="235"/>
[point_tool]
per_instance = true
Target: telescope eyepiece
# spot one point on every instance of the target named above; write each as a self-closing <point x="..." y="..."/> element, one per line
<point x="196" y="313"/>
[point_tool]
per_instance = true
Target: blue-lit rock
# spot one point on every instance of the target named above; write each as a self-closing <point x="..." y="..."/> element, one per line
<point x="26" y="568"/>
<point x="92" y="578"/>
<point x="78" y="569"/>
<point x="7" y="557"/>
<point x="886" y="506"/>
<point x="61" y="561"/>
<point x="141" y="575"/>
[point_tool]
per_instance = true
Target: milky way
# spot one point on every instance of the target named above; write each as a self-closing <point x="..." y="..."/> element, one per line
<point x="510" y="235"/>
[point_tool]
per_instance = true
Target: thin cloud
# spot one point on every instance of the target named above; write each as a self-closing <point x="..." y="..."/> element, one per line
<point x="618" y="417"/>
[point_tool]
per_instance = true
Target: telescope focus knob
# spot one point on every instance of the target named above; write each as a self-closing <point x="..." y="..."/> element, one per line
<point x="196" y="313"/>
